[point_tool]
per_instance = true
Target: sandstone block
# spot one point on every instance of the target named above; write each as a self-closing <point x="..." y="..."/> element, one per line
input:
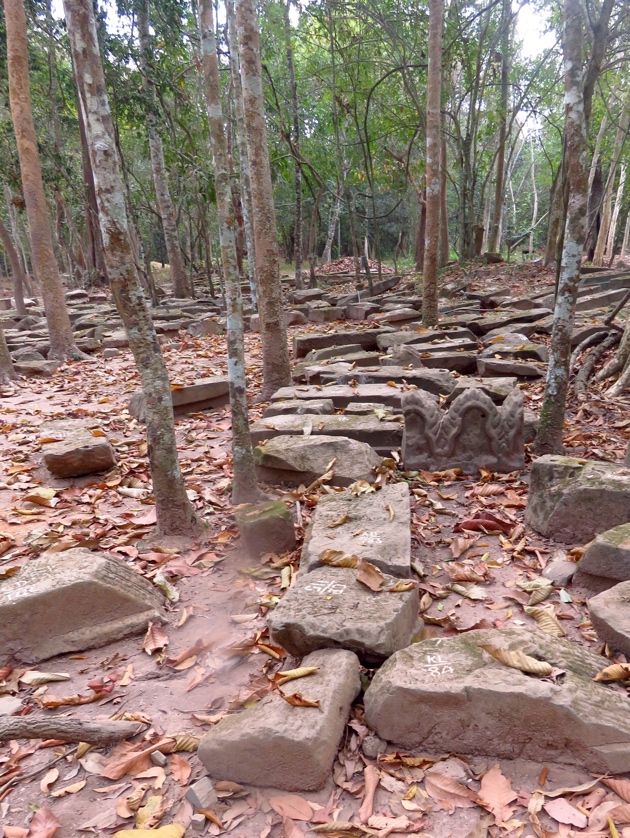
<point x="276" y="744"/>
<point x="71" y="601"/>
<point x="343" y="394"/>
<point x="360" y="311"/>
<point x="319" y="407"/>
<point x="438" y="382"/>
<point x="324" y="314"/>
<point x="207" y="326"/>
<point x="266" y="527"/>
<point x="296" y="460"/>
<point x="473" y="433"/>
<point x="366" y="408"/>
<point x="497" y="388"/>
<point x="205" y="394"/>
<point x="514" y="347"/>
<point x="383" y="436"/>
<point x="423" y="336"/>
<point x="35" y="369"/>
<point x="73" y="449"/>
<point x="294" y="318"/>
<point x="376" y="526"/>
<point x="329" y="608"/>
<point x="316" y="355"/>
<point x="610" y="615"/>
<point x="609" y="555"/>
<point x="111" y="353"/>
<point x="504" y="366"/>
<point x="572" y="499"/>
<point x="302" y="344"/>
<point x="447" y="694"/>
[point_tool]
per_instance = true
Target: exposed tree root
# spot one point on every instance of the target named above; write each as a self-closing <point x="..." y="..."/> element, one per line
<point x="581" y="379"/>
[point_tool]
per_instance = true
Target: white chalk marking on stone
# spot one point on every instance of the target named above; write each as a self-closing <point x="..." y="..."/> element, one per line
<point x="325" y="586"/>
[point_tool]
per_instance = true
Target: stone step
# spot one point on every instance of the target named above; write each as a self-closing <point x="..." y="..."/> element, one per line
<point x="608" y="555"/>
<point x="426" y="695"/>
<point x="303" y="344"/>
<point x="384" y="437"/>
<point x="329" y="608"/>
<point x="375" y="526"/>
<point x="342" y="395"/>
<point x="276" y="744"/>
<point x="205" y="394"/>
<point x="320" y="407"/>
<point x="503" y="367"/>
<point x="497" y="388"/>
<point x="73" y="601"/>
<point x="437" y="382"/>
<point x="610" y="615"/>
<point x="423" y="336"/>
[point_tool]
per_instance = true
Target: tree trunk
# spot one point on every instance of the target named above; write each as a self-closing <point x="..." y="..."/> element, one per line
<point x="16" y="269"/>
<point x="241" y="140"/>
<point x="549" y="437"/>
<point x="245" y="487"/>
<point x="433" y="203"/>
<point x="276" y="368"/>
<point x="535" y="191"/>
<point x="421" y="223"/>
<point x="7" y="373"/>
<point x="335" y="209"/>
<point x="626" y="234"/>
<point x="175" y="515"/>
<point x="445" y="249"/>
<point x="158" y="166"/>
<point x="494" y="239"/>
<point x="606" y="208"/>
<point x="297" y="236"/>
<point x="45" y="265"/>
<point x="556" y="214"/>
<point x="609" y="254"/>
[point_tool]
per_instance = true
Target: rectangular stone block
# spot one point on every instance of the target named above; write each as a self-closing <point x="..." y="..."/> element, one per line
<point x="384" y="437"/>
<point x="276" y="744"/>
<point x="72" y="601"/>
<point x="73" y="449"/>
<point x="448" y="694"/>
<point x="374" y="526"/>
<point x="423" y="336"/>
<point x="329" y="608"/>
<point x="303" y="344"/>
<point x="205" y="394"/>
<point x="342" y="395"/>
<point x="437" y="382"/>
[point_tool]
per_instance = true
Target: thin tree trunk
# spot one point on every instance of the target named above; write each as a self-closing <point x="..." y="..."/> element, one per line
<point x="45" y="265"/>
<point x="276" y="368"/>
<point x="598" y="145"/>
<point x="445" y="249"/>
<point x="421" y="222"/>
<point x="612" y="232"/>
<point x="535" y="210"/>
<point x="335" y="209"/>
<point x="244" y="487"/>
<point x="626" y="234"/>
<point x="549" y="437"/>
<point x="494" y="239"/>
<point x="433" y="203"/>
<point x="158" y="166"/>
<point x="297" y="235"/>
<point x="175" y="515"/>
<point x="556" y="214"/>
<point x="241" y="140"/>
<point x="606" y="211"/>
<point x="16" y="269"/>
<point x="7" y="373"/>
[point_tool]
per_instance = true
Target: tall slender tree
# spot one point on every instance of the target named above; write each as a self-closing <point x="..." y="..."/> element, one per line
<point x="433" y="208"/>
<point x="16" y="269"/>
<point x="276" y="368"/>
<point x="297" y="176"/>
<point x="494" y="238"/>
<point x="244" y="487"/>
<point x="62" y="345"/>
<point x="175" y="514"/>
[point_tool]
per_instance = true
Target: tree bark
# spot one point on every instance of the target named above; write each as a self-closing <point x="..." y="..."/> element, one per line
<point x="606" y="207"/>
<point x="445" y="249"/>
<point x="7" y="373"/>
<point x="276" y="368"/>
<point x="16" y="269"/>
<point x="158" y="166"/>
<point x="297" y="235"/>
<point x="241" y="140"/>
<point x="549" y="437"/>
<point x="609" y="253"/>
<point x="433" y="203"/>
<point x="45" y="265"/>
<point x="245" y="486"/>
<point x="175" y="515"/>
<point x="494" y="239"/>
<point x="333" y="218"/>
<point x="69" y="730"/>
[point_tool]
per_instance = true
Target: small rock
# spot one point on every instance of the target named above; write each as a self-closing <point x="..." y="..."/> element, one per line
<point x="23" y="355"/>
<point x="198" y="822"/>
<point x="201" y="794"/>
<point x="36" y="369"/>
<point x="609" y="555"/>
<point x="294" y="318"/>
<point x="9" y="705"/>
<point x="560" y="571"/>
<point x="111" y="352"/>
<point x="76" y="450"/>
<point x="610" y="616"/>
<point x="266" y="528"/>
<point x="158" y="758"/>
<point x="373" y="746"/>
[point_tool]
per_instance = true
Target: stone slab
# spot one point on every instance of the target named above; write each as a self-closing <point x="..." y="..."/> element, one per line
<point x="447" y="694"/>
<point x="572" y="499"/>
<point x="266" y="527"/>
<point x="205" y="394"/>
<point x="342" y="395"/>
<point x="303" y="344"/>
<point x="609" y="555"/>
<point x="516" y="348"/>
<point x="375" y="526"/>
<point x="610" y="615"/>
<point x="297" y="460"/>
<point x="366" y="408"/>
<point x="321" y="407"/>
<point x="328" y="608"/>
<point x="383" y="436"/>
<point x="423" y="336"/>
<point x="73" y="449"/>
<point x="437" y="382"/>
<point x="316" y="355"/>
<point x="72" y="601"/>
<point x="497" y="388"/>
<point x="276" y="744"/>
<point x="505" y="367"/>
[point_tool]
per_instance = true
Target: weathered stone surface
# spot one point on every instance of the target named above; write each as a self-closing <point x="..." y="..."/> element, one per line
<point x="71" y="601"/>
<point x="276" y="744"/>
<point x="342" y="395"/>
<point x="438" y="382"/>
<point x="366" y="408"/>
<point x="472" y="433"/>
<point x="305" y="295"/>
<point x="316" y="355"/>
<point x="560" y="571"/>
<point x="296" y="460"/>
<point x="321" y="407"/>
<point x="398" y="316"/>
<point x="497" y="388"/>
<point x="506" y="367"/>
<point x="303" y="344"/>
<point x="610" y="615"/>
<point x="202" y="795"/>
<point x="424" y="336"/>
<point x="531" y="423"/>
<point x="324" y="314"/>
<point x="204" y="327"/>
<point x="111" y="353"/>
<point x="294" y="318"/>
<point x="360" y="311"/>
<point x="75" y="450"/>
<point x="383" y="436"/>
<point x="35" y="369"/>
<point x="266" y="527"/>
<point x="516" y="348"/>
<point x="376" y="526"/>
<point x="206" y="394"/>
<point x="328" y="608"/>
<point x="117" y="340"/>
<point x="609" y="555"/>
<point x="572" y="500"/>
<point x="407" y="353"/>
<point x="447" y="694"/>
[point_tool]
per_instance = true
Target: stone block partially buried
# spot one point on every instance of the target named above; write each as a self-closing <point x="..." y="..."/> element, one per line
<point x="573" y="499"/>
<point x="321" y="407"/>
<point x="72" y="601"/>
<point x="375" y="526"/>
<point x="329" y="608"/>
<point x="472" y="433"/>
<point x="383" y="436"/>
<point x="266" y="527"/>
<point x="276" y="744"/>
<point x="609" y="555"/>
<point x="296" y="460"/>
<point x="205" y="394"/>
<point x="71" y="449"/>
<point x="447" y="694"/>
<point x="610" y="615"/>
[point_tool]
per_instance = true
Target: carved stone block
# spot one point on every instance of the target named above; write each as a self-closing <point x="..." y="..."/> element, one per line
<point x="473" y="433"/>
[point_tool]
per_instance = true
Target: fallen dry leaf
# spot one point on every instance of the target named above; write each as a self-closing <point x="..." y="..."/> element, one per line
<point x="71" y="789"/>
<point x="48" y="779"/>
<point x="615" y="672"/>
<point x="174" y="830"/>
<point x="298" y="700"/>
<point x="619" y="785"/>
<point x="546" y="619"/>
<point x="290" y="829"/>
<point x="448" y="792"/>
<point x="281" y="678"/>
<point x="371" y="777"/>
<point x="180" y="769"/>
<point x="517" y="660"/>
<point x="496" y="793"/>
<point x="43" y="825"/>
<point x="291" y="806"/>
<point x="562" y="811"/>
<point x="369" y="575"/>
<point x="155" y="639"/>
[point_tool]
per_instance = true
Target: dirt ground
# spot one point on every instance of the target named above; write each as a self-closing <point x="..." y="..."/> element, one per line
<point x="215" y="660"/>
